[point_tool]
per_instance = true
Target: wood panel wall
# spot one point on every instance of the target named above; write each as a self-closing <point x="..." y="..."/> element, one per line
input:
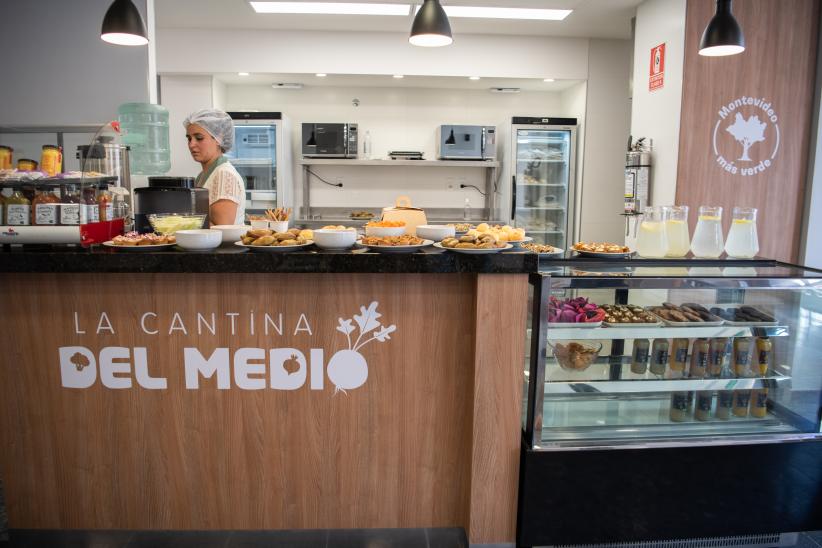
<point x="396" y="452"/>
<point x="778" y="65"/>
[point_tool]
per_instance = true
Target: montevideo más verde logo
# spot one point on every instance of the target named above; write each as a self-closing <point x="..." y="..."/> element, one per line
<point x="746" y="136"/>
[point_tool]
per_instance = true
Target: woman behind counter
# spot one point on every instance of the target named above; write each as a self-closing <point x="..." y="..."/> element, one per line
<point x="210" y="133"/>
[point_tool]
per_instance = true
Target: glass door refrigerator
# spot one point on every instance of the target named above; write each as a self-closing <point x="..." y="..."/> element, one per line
<point x="262" y="155"/>
<point x="542" y="173"/>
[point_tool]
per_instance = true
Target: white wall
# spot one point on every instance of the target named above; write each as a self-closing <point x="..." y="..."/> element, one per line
<point x="56" y="70"/>
<point x="398" y="119"/>
<point x="608" y="116"/>
<point x="182" y="95"/>
<point x="573" y="102"/>
<point x="656" y="114"/>
<point x="260" y="51"/>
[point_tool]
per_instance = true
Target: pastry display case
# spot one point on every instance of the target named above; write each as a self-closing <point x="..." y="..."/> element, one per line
<point x="661" y="389"/>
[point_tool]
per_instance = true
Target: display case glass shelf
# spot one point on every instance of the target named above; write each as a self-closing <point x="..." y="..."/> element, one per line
<point x="752" y="374"/>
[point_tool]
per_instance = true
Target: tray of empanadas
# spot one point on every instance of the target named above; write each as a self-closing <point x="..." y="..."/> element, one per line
<point x="685" y="315"/>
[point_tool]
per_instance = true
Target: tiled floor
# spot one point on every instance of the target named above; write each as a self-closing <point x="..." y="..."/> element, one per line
<point x="338" y="538"/>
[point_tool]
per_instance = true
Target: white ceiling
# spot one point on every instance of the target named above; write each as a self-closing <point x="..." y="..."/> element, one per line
<point x="376" y="81"/>
<point x="590" y="18"/>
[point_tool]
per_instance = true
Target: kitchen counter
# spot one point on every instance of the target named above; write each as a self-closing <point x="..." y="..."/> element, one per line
<point x="236" y="260"/>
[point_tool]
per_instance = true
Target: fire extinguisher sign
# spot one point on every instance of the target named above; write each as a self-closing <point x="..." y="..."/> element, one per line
<point x="657" y="75"/>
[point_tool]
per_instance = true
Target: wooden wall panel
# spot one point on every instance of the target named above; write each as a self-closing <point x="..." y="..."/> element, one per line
<point x="779" y="66"/>
<point x="393" y="453"/>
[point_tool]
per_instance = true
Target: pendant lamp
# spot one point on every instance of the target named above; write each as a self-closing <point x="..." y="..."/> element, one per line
<point x="123" y="25"/>
<point x="431" y="28"/>
<point x="722" y="36"/>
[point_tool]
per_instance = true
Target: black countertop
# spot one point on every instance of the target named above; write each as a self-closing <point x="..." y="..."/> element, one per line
<point x="232" y="260"/>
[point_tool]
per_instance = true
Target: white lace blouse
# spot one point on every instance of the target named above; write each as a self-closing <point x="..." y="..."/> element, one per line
<point x="225" y="183"/>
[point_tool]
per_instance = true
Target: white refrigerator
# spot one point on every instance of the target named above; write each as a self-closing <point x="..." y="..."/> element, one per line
<point x="262" y="155"/>
<point x="543" y="158"/>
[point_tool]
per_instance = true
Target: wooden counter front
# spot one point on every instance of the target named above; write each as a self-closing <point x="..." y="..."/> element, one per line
<point x="429" y="438"/>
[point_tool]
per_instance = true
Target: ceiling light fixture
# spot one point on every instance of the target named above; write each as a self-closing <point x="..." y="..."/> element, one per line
<point x="321" y="75"/>
<point x="331" y="8"/>
<point x="722" y="36"/>
<point x="242" y="74"/>
<point x="123" y="25"/>
<point x="473" y="77"/>
<point x="398" y="76"/>
<point x="506" y="13"/>
<point x="548" y="80"/>
<point x="431" y="27"/>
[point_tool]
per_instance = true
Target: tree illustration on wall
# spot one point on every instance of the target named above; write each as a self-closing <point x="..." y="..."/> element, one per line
<point x="747" y="132"/>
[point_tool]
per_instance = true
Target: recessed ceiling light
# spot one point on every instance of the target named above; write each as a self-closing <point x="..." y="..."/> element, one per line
<point x="473" y="77"/>
<point x="549" y="80"/>
<point x="506" y="13"/>
<point x="242" y="74"/>
<point x="331" y="8"/>
<point x="398" y="76"/>
<point x="321" y="75"/>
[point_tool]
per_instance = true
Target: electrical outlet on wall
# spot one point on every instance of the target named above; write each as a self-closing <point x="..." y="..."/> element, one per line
<point x="451" y="184"/>
<point x="338" y="181"/>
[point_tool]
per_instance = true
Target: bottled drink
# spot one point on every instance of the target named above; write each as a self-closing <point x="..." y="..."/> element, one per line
<point x="91" y="210"/>
<point x="466" y="211"/>
<point x="704" y="403"/>
<point x="699" y="359"/>
<point x="679" y="407"/>
<point x="742" y="239"/>
<point x="707" y="240"/>
<point x="659" y="356"/>
<point x="105" y="205"/>
<point x="763" y="354"/>
<point x="652" y="240"/>
<point x="716" y="357"/>
<point x="70" y="205"/>
<point x="724" y="403"/>
<point x="145" y="129"/>
<point x="679" y="354"/>
<point x="639" y="359"/>
<point x="742" y="346"/>
<point x="741" y="400"/>
<point x="366" y="145"/>
<point x="676" y="229"/>
<point x="759" y="402"/>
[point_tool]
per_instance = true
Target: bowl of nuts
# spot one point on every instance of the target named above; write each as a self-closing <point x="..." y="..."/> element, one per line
<point x="575" y="356"/>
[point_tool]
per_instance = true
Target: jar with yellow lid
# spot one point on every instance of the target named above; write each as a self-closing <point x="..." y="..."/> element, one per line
<point x="26" y="164"/>
<point x="51" y="160"/>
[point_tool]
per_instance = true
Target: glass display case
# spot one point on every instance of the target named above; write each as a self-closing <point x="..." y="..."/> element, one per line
<point x="692" y="373"/>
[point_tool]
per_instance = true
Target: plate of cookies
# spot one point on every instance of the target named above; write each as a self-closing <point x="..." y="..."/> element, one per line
<point x="266" y="240"/>
<point x="132" y="241"/>
<point x="603" y="250"/>
<point x="685" y="315"/>
<point x="473" y="244"/>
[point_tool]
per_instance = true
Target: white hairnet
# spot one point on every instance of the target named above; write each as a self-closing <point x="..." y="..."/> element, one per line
<point x="217" y="123"/>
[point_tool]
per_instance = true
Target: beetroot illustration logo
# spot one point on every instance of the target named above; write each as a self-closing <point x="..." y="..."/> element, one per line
<point x="348" y="369"/>
<point x="10" y="232"/>
<point x="742" y="124"/>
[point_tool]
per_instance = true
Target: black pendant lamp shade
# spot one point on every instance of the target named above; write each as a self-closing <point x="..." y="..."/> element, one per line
<point x="431" y="27"/>
<point x="123" y="25"/>
<point x="722" y="36"/>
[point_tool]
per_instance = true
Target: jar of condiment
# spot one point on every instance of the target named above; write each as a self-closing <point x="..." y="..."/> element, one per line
<point x="45" y="209"/>
<point x="699" y="359"/>
<point x="659" y="356"/>
<point x="105" y="204"/>
<point x="679" y="354"/>
<point x="51" y="160"/>
<point x="89" y="203"/>
<point x="72" y="211"/>
<point x="5" y="157"/>
<point x="18" y="209"/>
<point x="26" y="164"/>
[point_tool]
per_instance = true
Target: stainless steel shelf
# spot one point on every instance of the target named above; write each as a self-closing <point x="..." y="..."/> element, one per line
<point x="551" y="185"/>
<point x="547" y="208"/>
<point x="662" y="332"/>
<point x="534" y="161"/>
<point x="394" y="163"/>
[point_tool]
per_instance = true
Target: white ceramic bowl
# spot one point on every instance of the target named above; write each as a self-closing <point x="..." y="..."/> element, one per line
<point x="435" y="232"/>
<point x="203" y="238"/>
<point x="278" y="226"/>
<point x="384" y="231"/>
<point x="231" y="233"/>
<point x="335" y="239"/>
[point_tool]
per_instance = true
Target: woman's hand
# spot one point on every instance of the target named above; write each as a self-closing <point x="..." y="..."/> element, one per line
<point x="222" y="212"/>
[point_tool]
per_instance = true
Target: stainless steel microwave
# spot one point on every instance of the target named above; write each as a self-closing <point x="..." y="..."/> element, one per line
<point x="322" y="140"/>
<point x="467" y="142"/>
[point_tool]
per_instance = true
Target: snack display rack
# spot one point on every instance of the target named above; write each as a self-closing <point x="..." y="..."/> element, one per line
<point x="640" y="446"/>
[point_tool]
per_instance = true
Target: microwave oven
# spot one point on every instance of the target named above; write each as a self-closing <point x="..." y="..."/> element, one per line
<point x="329" y="140"/>
<point x="467" y="142"/>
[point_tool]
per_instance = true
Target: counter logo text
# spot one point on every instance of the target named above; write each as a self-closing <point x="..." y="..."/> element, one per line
<point x="746" y="136"/>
